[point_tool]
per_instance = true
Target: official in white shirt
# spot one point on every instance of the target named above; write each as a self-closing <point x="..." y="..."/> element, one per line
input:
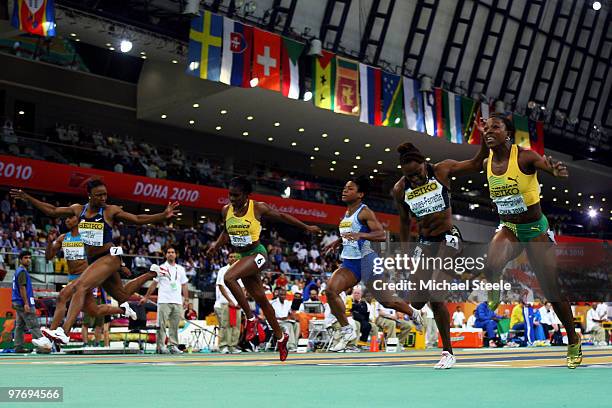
<point x="593" y="326"/>
<point x="228" y="335"/>
<point x="286" y="318"/>
<point x="549" y="319"/>
<point x="388" y="321"/>
<point x="458" y="318"/>
<point x="171" y="301"/>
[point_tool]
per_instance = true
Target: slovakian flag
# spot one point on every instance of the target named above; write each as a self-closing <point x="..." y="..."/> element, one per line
<point x="205" y="45"/>
<point x="266" y="59"/>
<point x="392" y="100"/>
<point x="323" y="80"/>
<point x="536" y="136"/>
<point x="371" y="95"/>
<point x="291" y="52"/>
<point x="34" y="17"/>
<point x="346" y="100"/>
<point x="429" y="104"/>
<point x="521" y="134"/>
<point x="451" y="106"/>
<point x="413" y="105"/>
<point x="236" y="56"/>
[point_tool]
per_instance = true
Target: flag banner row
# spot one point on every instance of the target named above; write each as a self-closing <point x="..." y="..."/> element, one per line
<point x="236" y="54"/>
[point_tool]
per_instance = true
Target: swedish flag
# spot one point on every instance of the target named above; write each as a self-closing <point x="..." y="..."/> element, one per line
<point x="205" y="45"/>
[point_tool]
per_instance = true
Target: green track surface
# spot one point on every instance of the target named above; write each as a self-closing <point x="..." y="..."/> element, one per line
<point x="126" y="385"/>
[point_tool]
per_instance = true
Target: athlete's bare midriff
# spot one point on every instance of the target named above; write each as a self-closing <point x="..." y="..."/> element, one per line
<point x="435" y="223"/>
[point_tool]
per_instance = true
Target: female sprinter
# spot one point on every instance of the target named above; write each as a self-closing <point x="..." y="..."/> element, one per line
<point x="242" y="228"/>
<point x="358" y="228"/>
<point x="515" y="191"/>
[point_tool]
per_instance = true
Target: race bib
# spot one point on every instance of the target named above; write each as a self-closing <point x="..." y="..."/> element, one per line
<point x="260" y="260"/>
<point x="427" y="199"/>
<point x="92" y="233"/>
<point x="240" y="240"/>
<point x="347" y="242"/>
<point x="513" y="204"/>
<point x="452" y="241"/>
<point x="116" y="251"/>
<point x="73" y="251"/>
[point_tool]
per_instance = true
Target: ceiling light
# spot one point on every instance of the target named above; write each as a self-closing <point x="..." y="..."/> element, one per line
<point x="143" y="56"/>
<point x="254" y="82"/>
<point x="453" y="178"/>
<point x="223" y="111"/>
<point x="333" y="162"/>
<point x="164" y="116"/>
<point x="270" y="139"/>
<point x="196" y="105"/>
<point x="591" y="197"/>
<point x="143" y="53"/>
<point x="469" y="181"/>
<point x="485" y="185"/>
<point x="245" y="133"/>
<point x="566" y="202"/>
<point x="566" y="191"/>
<point x="555" y="199"/>
<point x="108" y="44"/>
<point x="379" y="162"/>
<point x="307" y="96"/>
<point x="375" y="170"/>
<point x="399" y="166"/>
<point x="428" y="158"/>
<point x="316" y="148"/>
<point x="346" y="140"/>
<point x="312" y="157"/>
<point x="194" y="65"/>
<point x="357" y="157"/>
<point x="592" y="213"/>
<point x="300" y="129"/>
<point x="355" y="166"/>
<point x="73" y="34"/>
<point x="125" y="46"/>
<point x="603" y="199"/>
<point x="174" y="61"/>
<point x="371" y="177"/>
<point x="579" y="194"/>
<point x="276" y="124"/>
<point x="331" y="169"/>
<point x="147" y="210"/>
<point x="352" y="173"/>
<point x="191" y="122"/>
<point x="596" y="6"/>
<point x="579" y="205"/>
<point x="249" y="118"/>
<point x="387" y="149"/>
<point x="336" y="153"/>
<point x="324" y="135"/>
<point x="79" y="40"/>
<point x="21" y="112"/>
<point x="111" y="48"/>
<point x="218" y="128"/>
<point x="367" y="145"/>
<point x="541" y="196"/>
<point x="293" y="144"/>
<point x="553" y="188"/>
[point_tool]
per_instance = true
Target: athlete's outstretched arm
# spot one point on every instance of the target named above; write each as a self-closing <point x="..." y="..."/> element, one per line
<point x="46" y="208"/>
<point x="143" y="219"/>
<point x="465" y="167"/>
<point x="265" y="210"/>
<point x="53" y="245"/>
<point x="377" y="232"/>
<point x="545" y="163"/>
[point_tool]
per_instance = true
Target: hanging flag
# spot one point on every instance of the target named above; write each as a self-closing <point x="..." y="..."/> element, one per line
<point x="521" y="134"/>
<point x="290" y="70"/>
<point x="347" y="87"/>
<point x="470" y="114"/>
<point x="439" y="112"/>
<point x="236" y="56"/>
<point x="451" y="105"/>
<point x="34" y="17"/>
<point x="205" y="39"/>
<point x="370" y="93"/>
<point x="392" y="100"/>
<point x="429" y="104"/>
<point x="536" y="136"/>
<point x="323" y="80"/>
<point x="413" y="105"/>
<point x="266" y="59"/>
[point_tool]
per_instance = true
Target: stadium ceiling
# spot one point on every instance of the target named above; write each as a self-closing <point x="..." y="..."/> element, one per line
<point x="549" y="58"/>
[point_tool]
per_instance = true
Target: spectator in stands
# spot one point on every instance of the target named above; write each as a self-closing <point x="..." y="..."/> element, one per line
<point x="286" y="318"/>
<point x="5" y="205"/>
<point x="302" y="254"/>
<point x="486" y="319"/>
<point x="190" y="313"/>
<point x="314" y="253"/>
<point x="171" y="300"/>
<point x="8" y="133"/>
<point x="388" y="321"/>
<point x="227" y="311"/>
<point x="285" y="267"/>
<point x="23" y="303"/>
<point x="360" y="313"/>
<point x="471" y="320"/>
<point x="297" y="301"/>
<point x="310" y="288"/>
<point x="155" y="248"/>
<point x="593" y="326"/>
<point x="458" y="317"/>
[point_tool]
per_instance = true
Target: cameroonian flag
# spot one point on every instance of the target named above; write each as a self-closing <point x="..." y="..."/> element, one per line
<point x="34" y="17"/>
<point x="521" y="134"/>
<point x="451" y="107"/>
<point x="470" y="114"/>
<point x="393" y="100"/>
<point x="347" y="87"/>
<point x="290" y="69"/>
<point x="323" y="81"/>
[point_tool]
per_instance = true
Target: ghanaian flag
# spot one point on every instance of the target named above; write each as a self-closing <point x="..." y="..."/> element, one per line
<point x="34" y="17"/>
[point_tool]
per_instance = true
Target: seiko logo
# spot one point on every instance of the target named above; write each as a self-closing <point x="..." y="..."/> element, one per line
<point x="504" y="191"/>
<point x="91" y="225"/>
<point x="427" y="188"/>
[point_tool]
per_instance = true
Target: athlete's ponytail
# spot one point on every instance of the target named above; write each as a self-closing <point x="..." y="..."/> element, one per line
<point x="409" y="153"/>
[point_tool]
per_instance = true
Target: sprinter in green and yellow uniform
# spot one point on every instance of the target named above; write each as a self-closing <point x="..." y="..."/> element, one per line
<point x="242" y="228"/>
<point x="515" y="191"/>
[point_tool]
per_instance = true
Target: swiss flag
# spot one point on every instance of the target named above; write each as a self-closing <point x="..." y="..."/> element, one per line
<point x="267" y="59"/>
